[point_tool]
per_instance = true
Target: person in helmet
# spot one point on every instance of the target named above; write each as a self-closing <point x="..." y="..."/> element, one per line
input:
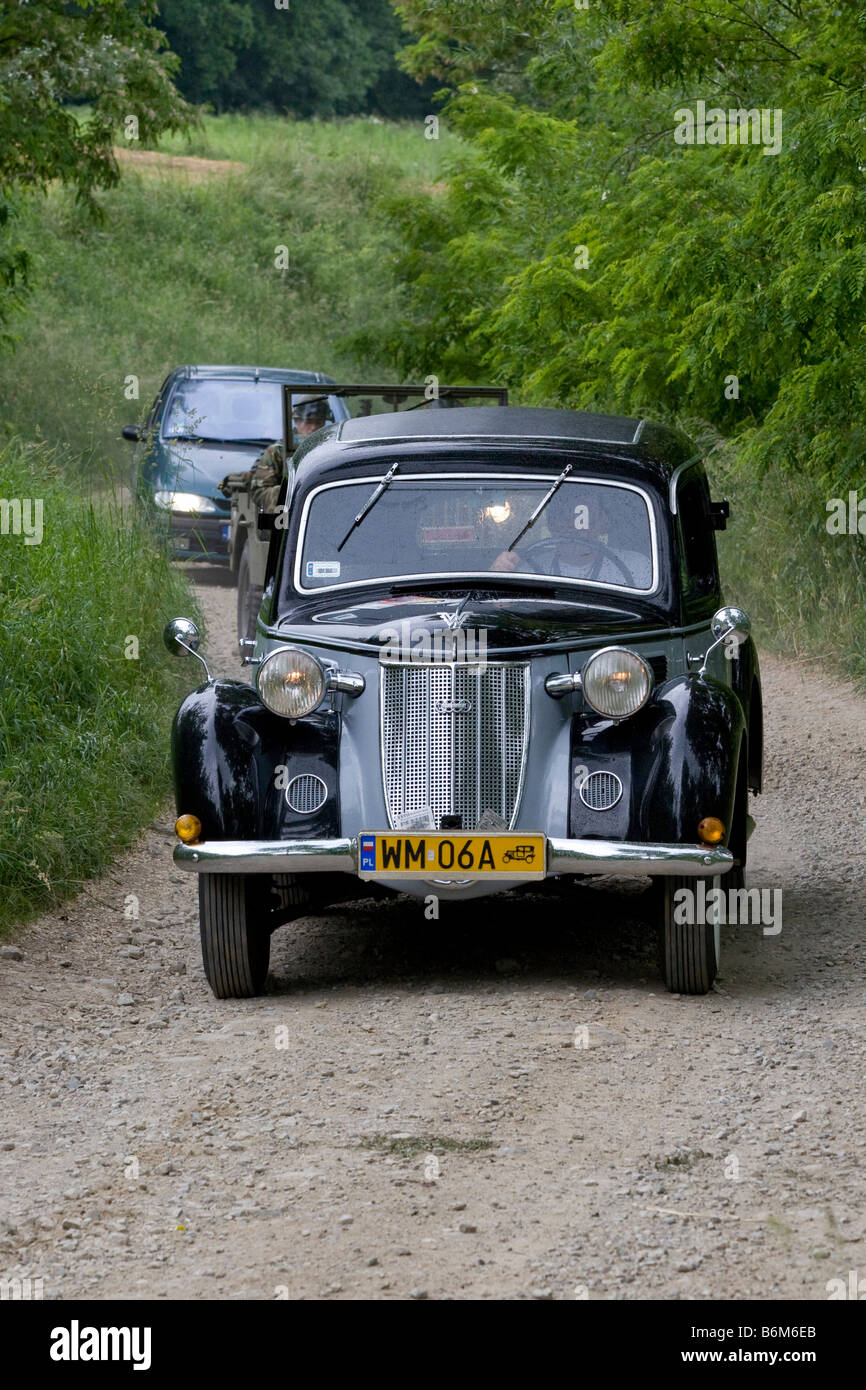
<point x="309" y="413"/>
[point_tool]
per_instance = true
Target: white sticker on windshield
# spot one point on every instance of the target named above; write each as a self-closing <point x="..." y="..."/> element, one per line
<point x="323" y="569"/>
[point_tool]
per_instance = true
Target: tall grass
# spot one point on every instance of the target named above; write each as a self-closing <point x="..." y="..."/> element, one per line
<point x="84" y="723"/>
<point x="803" y="587"/>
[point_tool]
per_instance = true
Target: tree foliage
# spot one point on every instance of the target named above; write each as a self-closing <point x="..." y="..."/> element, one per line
<point x="703" y="263"/>
<point x="310" y="57"/>
<point x="54" y="52"/>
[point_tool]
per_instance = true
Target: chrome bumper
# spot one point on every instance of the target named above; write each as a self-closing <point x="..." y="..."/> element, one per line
<point x="622" y="857"/>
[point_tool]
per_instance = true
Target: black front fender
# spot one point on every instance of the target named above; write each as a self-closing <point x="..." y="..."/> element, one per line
<point x="677" y="759"/>
<point x="214" y="772"/>
<point x="233" y="758"/>
<point x="693" y="772"/>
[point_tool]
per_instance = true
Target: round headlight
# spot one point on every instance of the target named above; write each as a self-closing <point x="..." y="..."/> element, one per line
<point x="291" y="682"/>
<point x="616" y="682"/>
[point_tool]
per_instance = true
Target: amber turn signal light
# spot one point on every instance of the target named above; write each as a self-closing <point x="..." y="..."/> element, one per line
<point x="711" y="830"/>
<point x="188" y="829"/>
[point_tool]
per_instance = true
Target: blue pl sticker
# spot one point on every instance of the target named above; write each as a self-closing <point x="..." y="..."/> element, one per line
<point x="368" y="851"/>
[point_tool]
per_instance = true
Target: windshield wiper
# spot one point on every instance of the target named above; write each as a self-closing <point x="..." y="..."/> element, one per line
<point x="212" y="439"/>
<point x="541" y="506"/>
<point x="370" y="503"/>
<point x="196" y="438"/>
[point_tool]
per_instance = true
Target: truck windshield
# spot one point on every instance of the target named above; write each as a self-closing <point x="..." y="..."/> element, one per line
<point x="441" y="526"/>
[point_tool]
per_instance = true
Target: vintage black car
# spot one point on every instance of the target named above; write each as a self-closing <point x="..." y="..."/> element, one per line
<point x="492" y="650"/>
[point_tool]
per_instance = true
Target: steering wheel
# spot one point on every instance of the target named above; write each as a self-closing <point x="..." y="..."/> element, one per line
<point x="600" y="550"/>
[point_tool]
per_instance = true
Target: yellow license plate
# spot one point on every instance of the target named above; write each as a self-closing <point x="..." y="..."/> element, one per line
<point x="389" y="854"/>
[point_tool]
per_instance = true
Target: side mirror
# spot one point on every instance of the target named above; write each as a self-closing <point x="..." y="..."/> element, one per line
<point x="182" y="638"/>
<point x="719" y="513"/>
<point x="132" y="433"/>
<point x="727" y="622"/>
<point x="731" y="620"/>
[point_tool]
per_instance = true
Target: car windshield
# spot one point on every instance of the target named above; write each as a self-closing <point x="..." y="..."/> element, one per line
<point x="226" y="410"/>
<point x="438" y="525"/>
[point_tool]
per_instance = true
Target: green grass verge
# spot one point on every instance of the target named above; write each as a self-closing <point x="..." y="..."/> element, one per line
<point x="84" y="727"/>
<point x="802" y="586"/>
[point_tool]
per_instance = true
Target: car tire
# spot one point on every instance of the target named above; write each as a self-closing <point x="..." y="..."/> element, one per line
<point x="235" y="935"/>
<point x="690" y="951"/>
<point x="249" y="600"/>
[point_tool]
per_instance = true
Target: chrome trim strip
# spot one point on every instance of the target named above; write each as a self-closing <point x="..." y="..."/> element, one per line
<point x="462" y="577"/>
<point x="675" y="481"/>
<point x="621" y="857"/>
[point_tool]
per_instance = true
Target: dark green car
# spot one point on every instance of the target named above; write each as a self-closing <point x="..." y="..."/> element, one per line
<point x="204" y="423"/>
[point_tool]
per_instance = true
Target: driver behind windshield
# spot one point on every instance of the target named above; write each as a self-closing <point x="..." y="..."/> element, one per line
<point x="582" y="544"/>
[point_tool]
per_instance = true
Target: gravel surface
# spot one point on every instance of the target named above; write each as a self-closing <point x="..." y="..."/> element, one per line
<point x="406" y="1115"/>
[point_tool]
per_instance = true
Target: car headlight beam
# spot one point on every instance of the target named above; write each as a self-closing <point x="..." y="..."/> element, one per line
<point x="616" y="682"/>
<point x="185" y="502"/>
<point x="291" y="682"/>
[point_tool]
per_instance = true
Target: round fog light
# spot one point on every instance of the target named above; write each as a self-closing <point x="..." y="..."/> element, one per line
<point x="711" y="830"/>
<point x="188" y="829"/>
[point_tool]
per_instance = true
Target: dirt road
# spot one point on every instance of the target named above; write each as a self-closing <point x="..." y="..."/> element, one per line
<point x="406" y="1114"/>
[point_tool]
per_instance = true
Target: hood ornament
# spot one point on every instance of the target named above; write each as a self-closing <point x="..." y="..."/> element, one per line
<point x="458" y="618"/>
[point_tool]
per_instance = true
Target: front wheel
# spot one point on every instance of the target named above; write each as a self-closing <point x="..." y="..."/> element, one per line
<point x="690" y="934"/>
<point x="235" y="934"/>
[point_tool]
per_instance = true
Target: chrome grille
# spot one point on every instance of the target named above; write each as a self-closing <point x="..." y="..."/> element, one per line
<point x="600" y="790"/>
<point x="306" y="793"/>
<point x="454" y="739"/>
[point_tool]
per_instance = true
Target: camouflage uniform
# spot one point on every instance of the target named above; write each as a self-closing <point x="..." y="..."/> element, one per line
<point x="267" y="477"/>
<point x="264" y="479"/>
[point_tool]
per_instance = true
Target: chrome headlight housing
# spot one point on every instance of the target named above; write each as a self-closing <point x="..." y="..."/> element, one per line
<point x="291" y="682"/>
<point x="616" y="682"/>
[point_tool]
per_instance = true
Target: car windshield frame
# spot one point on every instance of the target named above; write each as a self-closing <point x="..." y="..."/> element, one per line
<point x="543" y="480"/>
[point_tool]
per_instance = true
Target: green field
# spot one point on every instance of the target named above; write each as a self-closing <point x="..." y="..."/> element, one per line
<point x="183" y="270"/>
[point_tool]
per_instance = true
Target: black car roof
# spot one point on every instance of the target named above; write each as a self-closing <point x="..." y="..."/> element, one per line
<point x="653" y="449"/>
